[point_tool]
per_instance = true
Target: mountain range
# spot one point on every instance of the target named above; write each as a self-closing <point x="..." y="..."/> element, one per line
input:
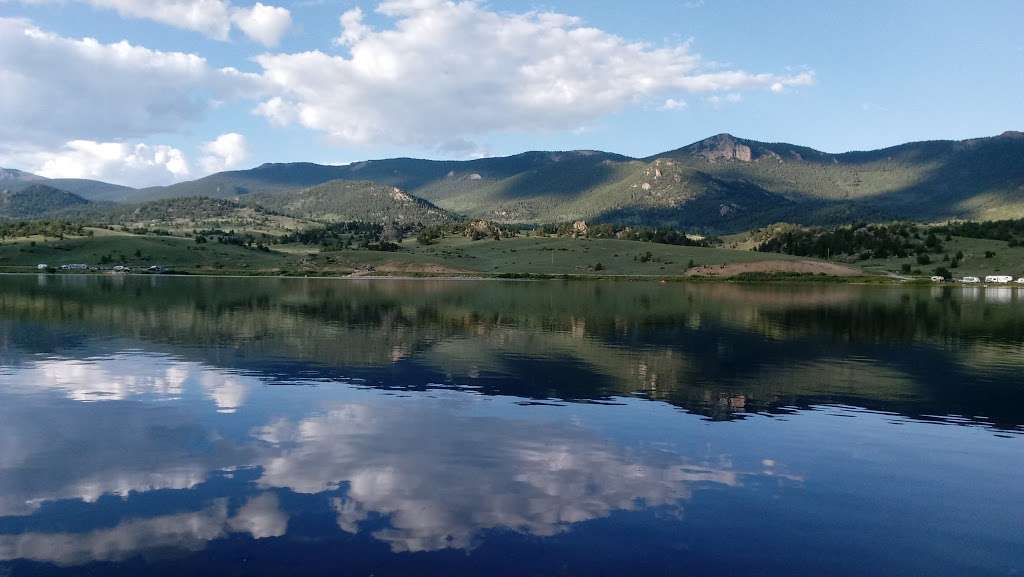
<point x="719" y="184"/>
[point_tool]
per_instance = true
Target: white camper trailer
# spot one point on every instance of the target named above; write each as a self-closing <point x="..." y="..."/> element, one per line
<point x="996" y="278"/>
<point x="970" y="280"/>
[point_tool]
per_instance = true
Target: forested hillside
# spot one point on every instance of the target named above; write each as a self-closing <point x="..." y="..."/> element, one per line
<point x="719" y="184"/>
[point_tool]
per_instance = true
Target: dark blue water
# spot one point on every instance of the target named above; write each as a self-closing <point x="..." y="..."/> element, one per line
<point x="164" y="426"/>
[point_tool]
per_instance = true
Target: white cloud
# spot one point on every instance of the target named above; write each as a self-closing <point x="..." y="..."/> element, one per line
<point x="352" y="28"/>
<point x="209" y="17"/>
<point x="277" y="111"/>
<point x="673" y="104"/>
<point x="716" y="101"/>
<point x="134" y="164"/>
<point x="57" y="89"/>
<point x="264" y="24"/>
<point x="451" y="69"/>
<point x="225" y="152"/>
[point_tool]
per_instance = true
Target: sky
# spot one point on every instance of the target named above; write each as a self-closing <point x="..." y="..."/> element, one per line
<point x="149" y="92"/>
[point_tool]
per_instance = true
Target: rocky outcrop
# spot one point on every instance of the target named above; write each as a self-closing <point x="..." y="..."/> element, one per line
<point x="722" y="147"/>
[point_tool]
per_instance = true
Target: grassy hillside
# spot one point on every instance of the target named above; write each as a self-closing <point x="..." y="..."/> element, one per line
<point x="452" y="255"/>
<point x="977" y="178"/>
<point x="108" y="248"/>
<point x="341" y="200"/>
<point x="530" y="256"/>
<point x="182" y="216"/>
<point x="981" y="257"/>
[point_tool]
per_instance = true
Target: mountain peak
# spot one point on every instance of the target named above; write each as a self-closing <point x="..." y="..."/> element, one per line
<point x="721" y="147"/>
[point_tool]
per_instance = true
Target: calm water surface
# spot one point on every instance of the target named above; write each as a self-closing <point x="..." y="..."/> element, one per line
<point x="176" y="426"/>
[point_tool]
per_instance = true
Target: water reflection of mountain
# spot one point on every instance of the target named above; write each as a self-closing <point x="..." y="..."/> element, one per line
<point x="719" y="350"/>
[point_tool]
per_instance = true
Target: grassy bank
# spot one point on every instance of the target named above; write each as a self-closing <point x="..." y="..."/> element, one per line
<point x="980" y="257"/>
<point x="451" y="256"/>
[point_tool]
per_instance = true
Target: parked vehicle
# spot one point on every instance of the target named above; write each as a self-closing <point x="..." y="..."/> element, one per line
<point x="937" y="279"/>
<point x="998" y="279"/>
<point x="970" y="280"/>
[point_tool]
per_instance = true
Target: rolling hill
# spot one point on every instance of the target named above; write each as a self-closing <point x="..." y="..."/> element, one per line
<point x="719" y="184"/>
<point x="342" y="200"/>
<point x="36" y="200"/>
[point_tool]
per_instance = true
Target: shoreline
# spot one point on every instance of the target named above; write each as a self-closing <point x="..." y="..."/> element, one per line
<point x="773" y="279"/>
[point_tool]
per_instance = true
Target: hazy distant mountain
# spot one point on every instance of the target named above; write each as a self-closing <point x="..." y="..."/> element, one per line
<point x="720" y="183"/>
<point x="14" y="180"/>
<point x="36" y="200"/>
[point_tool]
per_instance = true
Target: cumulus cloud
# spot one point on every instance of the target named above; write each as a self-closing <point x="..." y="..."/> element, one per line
<point x="136" y="164"/>
<point x="225" y="152"/>
<point x="210" y="17"/>
<point x="214" y="18"/>
<point x="451" y="69"/>
<point x="57" y="89"/>
<point x="264" y="24"/>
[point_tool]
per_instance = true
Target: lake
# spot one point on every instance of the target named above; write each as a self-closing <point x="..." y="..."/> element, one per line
<point x="196" y="426"/>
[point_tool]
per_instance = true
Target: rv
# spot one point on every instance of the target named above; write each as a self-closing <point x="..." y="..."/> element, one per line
<point x="1020" y="280"/>
<point x="937" y="278"/>
<point x="970" y="280"/>
<point x="998" y="279"/>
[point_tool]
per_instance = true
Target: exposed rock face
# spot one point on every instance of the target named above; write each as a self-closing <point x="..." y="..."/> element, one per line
<point x="398" y="195"/>
<point x="723" y="147"/>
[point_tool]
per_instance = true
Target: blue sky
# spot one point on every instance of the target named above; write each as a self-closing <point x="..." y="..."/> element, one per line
<point x="456" y="80"/>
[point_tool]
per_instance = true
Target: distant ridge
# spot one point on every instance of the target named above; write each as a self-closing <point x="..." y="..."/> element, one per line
<point x="36" y="200"/>
<point x="721" y="183"/>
